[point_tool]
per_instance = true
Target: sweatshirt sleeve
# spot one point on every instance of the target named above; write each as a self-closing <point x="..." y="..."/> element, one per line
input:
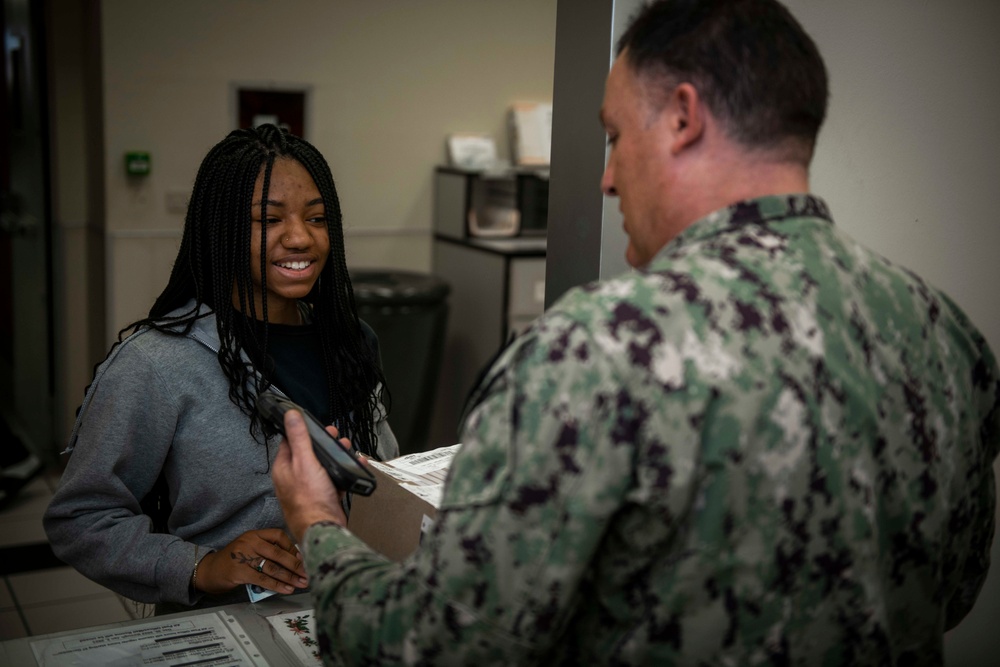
<point x="94" y="521"/>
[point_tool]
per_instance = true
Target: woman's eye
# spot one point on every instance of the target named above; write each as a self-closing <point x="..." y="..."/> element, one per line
<point x="318" y="219"/>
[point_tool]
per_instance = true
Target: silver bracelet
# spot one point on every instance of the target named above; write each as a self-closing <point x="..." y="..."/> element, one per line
<point x="194" y="573"/>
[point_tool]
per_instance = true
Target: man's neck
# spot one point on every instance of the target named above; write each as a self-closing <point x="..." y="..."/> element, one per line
<point x="737" y="176"/>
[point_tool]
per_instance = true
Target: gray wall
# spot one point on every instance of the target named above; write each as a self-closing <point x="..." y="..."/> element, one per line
<point x="585" y="239"/>
<point x="907" y="159"/>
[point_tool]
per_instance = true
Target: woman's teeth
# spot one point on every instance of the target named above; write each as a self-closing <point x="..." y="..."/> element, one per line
<point x="295" y="266"/>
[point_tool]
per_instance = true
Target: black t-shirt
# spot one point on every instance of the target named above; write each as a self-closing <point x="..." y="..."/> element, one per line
<point x="297" y="357"/>
<point x="298" y="367"/>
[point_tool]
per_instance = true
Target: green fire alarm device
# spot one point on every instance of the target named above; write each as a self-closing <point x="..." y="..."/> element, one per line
<point x="137" y="163"/>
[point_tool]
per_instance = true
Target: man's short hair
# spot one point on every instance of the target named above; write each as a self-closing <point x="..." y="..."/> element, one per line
<point x="757" y="70"/>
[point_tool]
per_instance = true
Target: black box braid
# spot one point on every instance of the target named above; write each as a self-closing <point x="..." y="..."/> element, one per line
<point x="213" y="257"/>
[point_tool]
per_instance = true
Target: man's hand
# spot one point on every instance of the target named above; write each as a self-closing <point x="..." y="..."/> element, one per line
<point x="302" y="485"/>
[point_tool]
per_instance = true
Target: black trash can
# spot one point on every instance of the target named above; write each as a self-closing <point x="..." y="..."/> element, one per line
<point x="409" y="312"/>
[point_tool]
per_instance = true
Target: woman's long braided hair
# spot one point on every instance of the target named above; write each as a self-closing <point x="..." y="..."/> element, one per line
<point x="214" y="256"/>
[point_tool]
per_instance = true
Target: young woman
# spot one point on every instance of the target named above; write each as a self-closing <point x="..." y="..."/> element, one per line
<point x="259" y="297"/>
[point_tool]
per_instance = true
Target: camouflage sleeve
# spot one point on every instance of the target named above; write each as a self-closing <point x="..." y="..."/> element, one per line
<point x="548" y="458"/>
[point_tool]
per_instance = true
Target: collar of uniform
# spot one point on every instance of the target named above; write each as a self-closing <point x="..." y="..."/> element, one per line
<point x="760" y="211"/>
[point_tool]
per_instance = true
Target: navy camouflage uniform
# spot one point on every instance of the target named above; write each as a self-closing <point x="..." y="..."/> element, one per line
<point x="771" y="446"/>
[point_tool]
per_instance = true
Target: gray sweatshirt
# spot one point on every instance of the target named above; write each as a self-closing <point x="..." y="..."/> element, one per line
<point x="157" y="403"/>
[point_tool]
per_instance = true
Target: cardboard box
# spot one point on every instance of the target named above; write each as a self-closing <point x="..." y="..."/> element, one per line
<point x="408" y="491"/>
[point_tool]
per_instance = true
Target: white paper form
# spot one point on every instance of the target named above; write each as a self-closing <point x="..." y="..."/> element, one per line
<point x="207" y="640"/>
<point x="297" y="631"/>
<point x="422" y="473"/>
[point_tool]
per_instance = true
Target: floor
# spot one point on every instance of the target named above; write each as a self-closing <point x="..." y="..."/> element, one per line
<point x="39" y="594"/>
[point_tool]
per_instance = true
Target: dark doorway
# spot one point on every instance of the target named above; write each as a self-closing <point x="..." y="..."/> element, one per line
<point x="26" y="302"/>
<point x="281" y="107"/>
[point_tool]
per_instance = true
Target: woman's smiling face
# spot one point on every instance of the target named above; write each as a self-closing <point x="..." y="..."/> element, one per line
<point x="297" y="240"/>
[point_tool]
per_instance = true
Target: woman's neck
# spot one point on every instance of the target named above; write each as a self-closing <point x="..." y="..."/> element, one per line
<point x="285" y="313"/>
<point x="288" y="313"/>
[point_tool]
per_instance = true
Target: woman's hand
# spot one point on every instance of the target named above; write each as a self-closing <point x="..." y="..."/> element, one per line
<point x="267" y="558"/>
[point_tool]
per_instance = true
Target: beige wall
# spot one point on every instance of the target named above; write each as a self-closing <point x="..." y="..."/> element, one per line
<point x="389" y="80"/>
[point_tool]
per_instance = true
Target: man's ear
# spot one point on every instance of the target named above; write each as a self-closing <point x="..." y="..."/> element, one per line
<point x="687" y="121"/>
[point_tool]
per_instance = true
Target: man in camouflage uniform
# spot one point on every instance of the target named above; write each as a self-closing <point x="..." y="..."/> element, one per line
<point x="767" y="445"/>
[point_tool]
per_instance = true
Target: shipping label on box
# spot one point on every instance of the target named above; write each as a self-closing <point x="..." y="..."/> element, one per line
<point x="402" y="509"/>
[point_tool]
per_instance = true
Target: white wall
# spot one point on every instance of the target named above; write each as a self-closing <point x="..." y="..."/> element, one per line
<point x="390" y="80"/>
<point x="909" y="159"/>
